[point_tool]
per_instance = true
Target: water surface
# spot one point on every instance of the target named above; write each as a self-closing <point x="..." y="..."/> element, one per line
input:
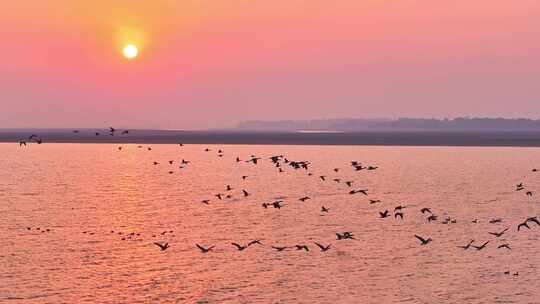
<point x="82" y="192"/>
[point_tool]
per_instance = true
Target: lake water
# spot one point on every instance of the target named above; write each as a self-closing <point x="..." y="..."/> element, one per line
<point x="84" y="192"/>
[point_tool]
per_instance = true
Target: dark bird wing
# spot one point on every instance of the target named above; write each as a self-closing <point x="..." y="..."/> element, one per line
<point x="162" y="246"/>
<point x="533" y="219"/>
<point x="323" y="248"/>
<point x="420" y="238"/>
<point x="254" y="242"/>
<point x="320" y="246"/>
<point x="200" y="247"/>
<point x="237" y="245"/>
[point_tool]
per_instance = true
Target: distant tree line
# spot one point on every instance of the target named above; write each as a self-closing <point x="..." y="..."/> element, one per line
<point x="401" y="124"/>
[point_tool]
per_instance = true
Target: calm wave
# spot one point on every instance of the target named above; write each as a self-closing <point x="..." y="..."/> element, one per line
<point x="104" y="208"/>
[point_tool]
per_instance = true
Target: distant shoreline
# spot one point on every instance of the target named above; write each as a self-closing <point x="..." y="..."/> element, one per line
<point x="372" y="138"/>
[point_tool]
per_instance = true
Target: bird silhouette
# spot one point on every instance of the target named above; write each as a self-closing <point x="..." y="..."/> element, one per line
<point x="302" y="247"/>
<point x="498" y="234"/>
<point x="384" y="214"/>
<point x="303" y="199"/>
<point x="323" y="248"/>
<point x="467" y="246"/>
<point x="163" y="247"/>
<point x="277" y="204"/>
<point x="239" y="247"/>
<point x="374" y="201"/>
<point x="481" y="246"/>
<point x="253" y="160"/>
<point x="258" y="242"/>
<point x="364" y="192"/>
<point x="204" y="250"/>
<point x="278" y="248"/>
<point x="324" y="209"/>
<point x="424" y="210"/>
<point x="507" y="246"/>
<point x="534" y="220"/>
<point x="245" y="192"/>
<point x="422" y="240"/>
<point x="345" y="235"/>
<point x="524" y="224"/>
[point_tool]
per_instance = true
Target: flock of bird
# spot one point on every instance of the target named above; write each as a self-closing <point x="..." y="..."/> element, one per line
<point x="280" y="162"/>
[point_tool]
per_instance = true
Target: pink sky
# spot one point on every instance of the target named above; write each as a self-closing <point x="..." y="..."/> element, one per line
<point x="212" y="63"/>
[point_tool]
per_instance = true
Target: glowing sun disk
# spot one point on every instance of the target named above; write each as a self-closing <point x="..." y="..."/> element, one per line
<point x="130" y="51"/>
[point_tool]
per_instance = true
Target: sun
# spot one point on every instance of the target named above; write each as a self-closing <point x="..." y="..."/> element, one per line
<point x="130" y="51"/>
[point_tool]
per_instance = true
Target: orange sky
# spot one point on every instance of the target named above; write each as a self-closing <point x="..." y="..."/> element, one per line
<point x="211" y="63"/>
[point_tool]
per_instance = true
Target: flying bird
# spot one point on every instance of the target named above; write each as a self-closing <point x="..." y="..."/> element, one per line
<point x="238" y="246"/>
<point x="524" y="224"/>
<point x="507" y="246"/>
<point x="345" y="235"/>
<point x="258" y="242"/>
<point x="534" y="220"/>
<point x="323" y="248"/>
<point x="424" y="210"/>
<point x="302" y="247"/>
<point x="163" y="247"/>
<point x="467" y="246"/>
<point x="481" y="246"/>
<point x="204" y="250"/>
<point x="498" y="234"/>
<point x="422" y="240"/>
<point x="364" y="192"/>
<point x="279" y="248"/>
<point x="277" y="204"/>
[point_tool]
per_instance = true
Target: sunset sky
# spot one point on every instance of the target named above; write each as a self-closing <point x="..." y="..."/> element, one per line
<point x="213" y="63"/>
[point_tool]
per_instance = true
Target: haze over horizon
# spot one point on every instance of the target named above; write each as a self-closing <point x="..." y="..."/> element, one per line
<point x="212" y="64"/>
